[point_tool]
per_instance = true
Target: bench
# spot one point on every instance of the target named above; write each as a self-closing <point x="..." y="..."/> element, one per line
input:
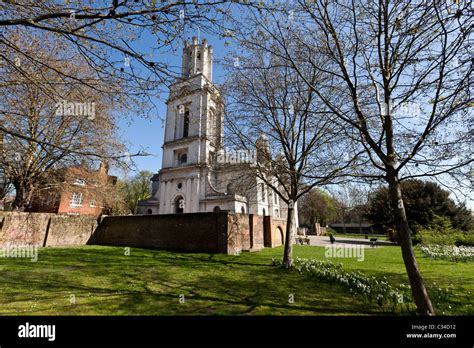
<point x="302" y="240"/>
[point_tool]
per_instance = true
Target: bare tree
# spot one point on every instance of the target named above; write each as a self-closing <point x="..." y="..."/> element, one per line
<point x="297" y="139"/>
<point x="56" y="122"/>
<point x="402" y="72"/>
<point x="124" y="43"/>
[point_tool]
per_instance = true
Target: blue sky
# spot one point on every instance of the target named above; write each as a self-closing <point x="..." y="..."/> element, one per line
<point x="147" y="134"/>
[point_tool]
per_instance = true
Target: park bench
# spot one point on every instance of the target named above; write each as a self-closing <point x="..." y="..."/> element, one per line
<point x="302" y="240"/>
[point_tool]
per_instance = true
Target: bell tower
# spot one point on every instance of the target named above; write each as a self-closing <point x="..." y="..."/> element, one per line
<point x="193" y="131"/>
<point x="197" y="59"/>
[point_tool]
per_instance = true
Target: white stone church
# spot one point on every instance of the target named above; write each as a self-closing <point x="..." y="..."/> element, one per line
<point x="195" y="176"/>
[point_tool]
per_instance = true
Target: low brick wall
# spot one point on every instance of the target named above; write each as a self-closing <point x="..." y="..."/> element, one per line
<point x="70" y="230"/>
<point x="221" y="232"/>
<point x="43" y="229"/>
<point x="23" y="228"/>
<point x="196" y="232"/>
<point x="256" y="231"/>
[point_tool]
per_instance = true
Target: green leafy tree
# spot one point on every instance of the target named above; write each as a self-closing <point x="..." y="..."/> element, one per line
<point x="424" y="200"/>
<point x="133" y="190"/>
<point x="316" y="206"/>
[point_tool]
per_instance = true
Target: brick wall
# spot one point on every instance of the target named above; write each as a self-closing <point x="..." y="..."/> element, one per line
<point x="256" y="224"/>
<point x="43" y="229"/>
<point x="70" y="230"/>
<point x="196" y="232"/>
<point x="221" y="232"/>
<point x="23" y="228"/>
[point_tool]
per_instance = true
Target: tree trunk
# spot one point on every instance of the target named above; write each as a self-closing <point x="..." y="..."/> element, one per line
<point x="22" y="196"/>
<point x="290" y="232"/>
<point x="418" y="289"/>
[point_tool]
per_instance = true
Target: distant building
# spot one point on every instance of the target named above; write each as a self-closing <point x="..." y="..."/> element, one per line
<point x="79" y="191"/>
<point x="353" y="227"/>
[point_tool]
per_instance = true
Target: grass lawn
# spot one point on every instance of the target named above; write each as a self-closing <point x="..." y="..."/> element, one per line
<point x="148" y="282"/>
<point x="103" y="281"/>
<point x="387" y="262"/>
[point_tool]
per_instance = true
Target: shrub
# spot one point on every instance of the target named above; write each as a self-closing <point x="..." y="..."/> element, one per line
<point x="440" y="232"/>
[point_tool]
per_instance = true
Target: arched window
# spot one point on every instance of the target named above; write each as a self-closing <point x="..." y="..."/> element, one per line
<point x="179" y="205"/>
<point x="242" y="210"/>
<point x="216" y="209"/>
<point x="186" y="124"/>
<point x="183" y="159"/>
<point x="149" y="211"/>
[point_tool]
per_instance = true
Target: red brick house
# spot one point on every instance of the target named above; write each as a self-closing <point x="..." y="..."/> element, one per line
<point x="81" y="192"/>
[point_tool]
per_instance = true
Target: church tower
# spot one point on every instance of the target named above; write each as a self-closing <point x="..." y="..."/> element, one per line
<point x="193" y="132"/>
<point x="193" y="178"/>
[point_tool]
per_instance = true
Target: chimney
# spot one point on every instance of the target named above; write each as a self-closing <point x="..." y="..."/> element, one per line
<point x="104" y="168"/>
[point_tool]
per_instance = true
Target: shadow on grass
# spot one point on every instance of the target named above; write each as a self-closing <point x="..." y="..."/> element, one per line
<point x="106" y="282"/>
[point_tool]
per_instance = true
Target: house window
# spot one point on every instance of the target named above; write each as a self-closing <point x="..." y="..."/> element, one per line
<point x="77" y="199"/>
<point x="92" y="203"/>
<point x="79" y="182"/>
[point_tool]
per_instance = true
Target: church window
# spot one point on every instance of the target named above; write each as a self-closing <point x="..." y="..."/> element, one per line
<point x="183" y="158"/>
<point x="262" y="189"/>
<point x="211" y="121"/>
<point x="186" y="124"/>
<point x="242" y="210"/>
<point x="179" y="205"/>
<point x="217" y="209"/>
<point x="180" y="186"/>
<point x="199" y="55"/>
